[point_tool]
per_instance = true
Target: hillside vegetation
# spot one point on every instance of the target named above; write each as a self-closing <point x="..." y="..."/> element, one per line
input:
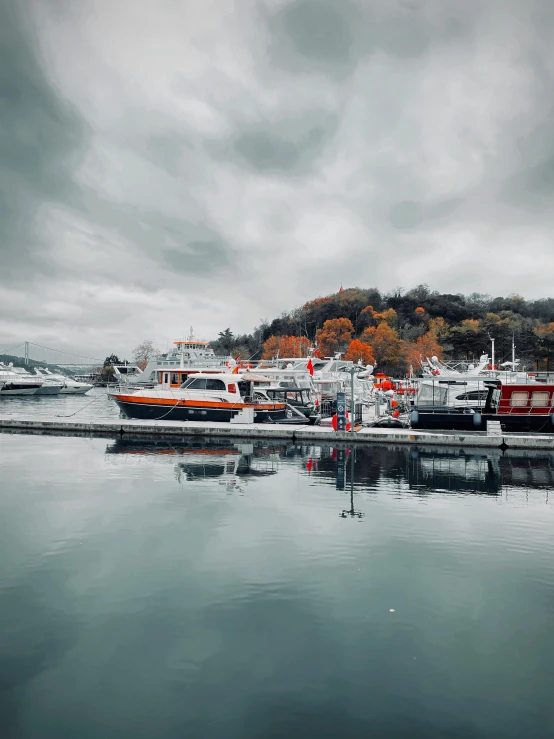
<point x="400" y="329"/>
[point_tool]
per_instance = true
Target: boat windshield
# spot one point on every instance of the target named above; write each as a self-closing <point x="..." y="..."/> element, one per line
<point x="203" y="383"/>
<point x="431" y="394"/>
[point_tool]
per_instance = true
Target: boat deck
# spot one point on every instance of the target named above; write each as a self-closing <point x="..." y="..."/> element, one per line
<point x="301" y="433"/>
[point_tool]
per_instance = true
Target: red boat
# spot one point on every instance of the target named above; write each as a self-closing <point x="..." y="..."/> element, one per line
<point x="518" y="408"/>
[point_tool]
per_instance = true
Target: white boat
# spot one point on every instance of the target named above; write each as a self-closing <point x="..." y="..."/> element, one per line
<point x="69" y="385"/>
<point x="12" y="383"/>
<point x="48" y="387"/>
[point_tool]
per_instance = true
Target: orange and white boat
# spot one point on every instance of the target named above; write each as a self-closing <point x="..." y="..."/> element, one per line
<point x="202" y="397"/>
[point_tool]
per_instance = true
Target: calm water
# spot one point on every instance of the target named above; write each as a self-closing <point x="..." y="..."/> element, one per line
<point x="177" y="590"/>
<point x="94" y="405"/>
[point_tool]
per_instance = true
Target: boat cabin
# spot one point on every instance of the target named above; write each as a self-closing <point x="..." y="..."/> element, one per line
<point x="520" y="399"/>
<point x="176" y="377"/>
<point x="215" y="381"/>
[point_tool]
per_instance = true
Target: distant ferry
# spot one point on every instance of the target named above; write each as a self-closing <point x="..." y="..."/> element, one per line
<point x="170" y="369"/>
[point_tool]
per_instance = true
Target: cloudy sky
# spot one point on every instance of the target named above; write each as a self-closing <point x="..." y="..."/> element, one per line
<point x="209" y="163"/>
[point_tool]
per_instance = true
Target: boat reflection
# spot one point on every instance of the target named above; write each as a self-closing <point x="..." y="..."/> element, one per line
<point x="420" y="471"/>
<point x="429" y="470"/>
<point x="202" y="460"/>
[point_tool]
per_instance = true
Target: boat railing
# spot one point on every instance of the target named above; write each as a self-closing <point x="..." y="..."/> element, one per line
<point x="506" y="409"/>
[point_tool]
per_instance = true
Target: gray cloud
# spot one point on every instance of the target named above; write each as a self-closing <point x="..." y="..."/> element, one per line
<point x="281" y="147"/>
<point x="41" y="140"/>
<point x="149" y="161"/>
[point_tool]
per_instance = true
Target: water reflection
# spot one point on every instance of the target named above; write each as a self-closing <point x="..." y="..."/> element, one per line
<point x="423" y="470"/>
<point x="226" y="589"/>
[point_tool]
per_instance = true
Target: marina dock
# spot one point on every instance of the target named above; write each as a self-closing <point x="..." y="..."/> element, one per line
<point x="300" y="433"/>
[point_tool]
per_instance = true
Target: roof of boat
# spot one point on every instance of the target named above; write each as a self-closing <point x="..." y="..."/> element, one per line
<point x="253" y="377"/>
<point x="230" y="376"/>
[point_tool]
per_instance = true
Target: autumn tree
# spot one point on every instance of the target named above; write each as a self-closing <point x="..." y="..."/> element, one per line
<point x="370" y="317"/>
<point x="358" y="350"/>
<point x="271" y="347"/>
<point x="286" y="346"/>
<point x="439" y="329"/>
<point x="417" y="352"/>
<point x="387" y="347"/>
<point x="335" y="336"/>
<point x="143" y="352"/>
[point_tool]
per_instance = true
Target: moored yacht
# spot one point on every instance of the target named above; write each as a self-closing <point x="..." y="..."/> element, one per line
<point x="12" y="383"/>
<point x="203" y="397"/>
<point x="69" y="386"/>
<point x="48" y="387"/>
<point x="522" y="407"/>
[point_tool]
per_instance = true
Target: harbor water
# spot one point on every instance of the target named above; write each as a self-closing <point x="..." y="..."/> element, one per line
<point x="151" y="589"/>
<point x="94" y="405"/>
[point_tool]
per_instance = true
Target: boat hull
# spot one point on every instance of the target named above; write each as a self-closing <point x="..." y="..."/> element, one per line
<point x="70" y="390"/>
<point x="194" y="412"/>
<point x="454" y="421"/>
<point x="49" y="390"/>
<point x="15" y="388"/>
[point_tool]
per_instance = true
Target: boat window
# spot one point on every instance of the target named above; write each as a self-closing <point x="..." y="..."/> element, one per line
<point x="519" y="399"/>
<point x="473" y="395"/>
<point x="540" y="399"/>
<point x="495" y="400"/>
<point x="194" y="383"/>
<point x="215" y="385"/>
<point x="174" y="379"/>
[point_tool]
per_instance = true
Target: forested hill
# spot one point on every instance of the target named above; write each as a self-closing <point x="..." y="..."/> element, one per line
<point x="398" y="329"/>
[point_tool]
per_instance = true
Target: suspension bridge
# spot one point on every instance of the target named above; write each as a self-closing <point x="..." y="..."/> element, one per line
<point x="26" y="351"/>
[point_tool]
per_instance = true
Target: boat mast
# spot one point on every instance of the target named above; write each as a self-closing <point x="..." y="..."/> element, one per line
<point x="513" y="352"/>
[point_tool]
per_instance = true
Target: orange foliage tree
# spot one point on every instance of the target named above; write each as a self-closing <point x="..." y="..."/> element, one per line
<point x="286" y="346"/>
<point x="335" y="335"/>
<point x="387" y="346"/>
<point x="370" y="317"/>
<point x="426" y="346"/>
<point x="439" y="329"/>
<point x="359" y="350"/>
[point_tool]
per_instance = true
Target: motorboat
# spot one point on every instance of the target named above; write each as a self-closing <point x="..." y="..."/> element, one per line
<point x="13" y="383"/>
<point x="452" y="391"/>
<point x="129" y="374"/>
<point x="299" y="400"/>
<point x="212" y="397"/>
<point x="522" y="407"/>
<point x="48" y="387"/>
<point x="69" y="385"/>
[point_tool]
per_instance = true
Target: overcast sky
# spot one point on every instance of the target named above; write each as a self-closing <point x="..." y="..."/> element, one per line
<point x="209" y="163"/>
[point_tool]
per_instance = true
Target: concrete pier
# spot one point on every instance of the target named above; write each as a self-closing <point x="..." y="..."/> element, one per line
<point x="301" y="433"/>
